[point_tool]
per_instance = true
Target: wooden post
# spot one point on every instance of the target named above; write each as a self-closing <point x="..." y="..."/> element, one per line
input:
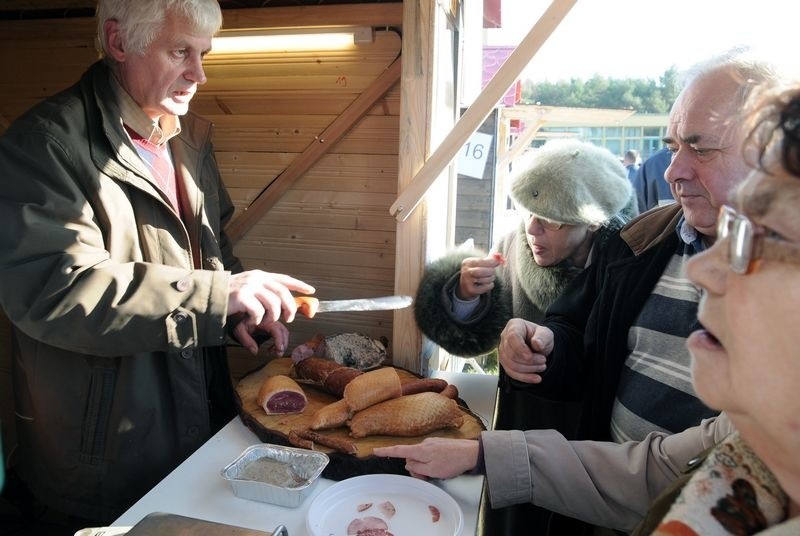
<point x="415" y="126"/>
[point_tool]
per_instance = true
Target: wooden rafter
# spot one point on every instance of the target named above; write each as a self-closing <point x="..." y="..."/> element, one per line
<point x="408" y="200"/>
<point x="316" y="150"/>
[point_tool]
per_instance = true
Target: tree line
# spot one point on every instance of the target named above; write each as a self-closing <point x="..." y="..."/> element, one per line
<point x="644" y="95"/>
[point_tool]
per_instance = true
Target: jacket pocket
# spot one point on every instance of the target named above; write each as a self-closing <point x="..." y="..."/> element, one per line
<point x="97" y="414"/>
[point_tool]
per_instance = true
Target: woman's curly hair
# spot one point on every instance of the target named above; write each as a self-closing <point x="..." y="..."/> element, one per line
<point x="774" y="128"/>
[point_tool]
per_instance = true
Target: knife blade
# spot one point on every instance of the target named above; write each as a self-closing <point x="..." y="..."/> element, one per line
<point x="310" y="306"/>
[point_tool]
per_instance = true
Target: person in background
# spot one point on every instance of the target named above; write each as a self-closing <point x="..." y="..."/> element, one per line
<point x="651" y="187"/>
<point x="631" y="162"/>
<point x="571" y="196"/>
<point x="744" y="480"/>
<point x="116" y="272"/>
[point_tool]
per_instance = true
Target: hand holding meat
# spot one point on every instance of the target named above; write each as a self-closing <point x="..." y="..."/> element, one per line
<point x="435" y="457"/>
<point x="477" y="276"/>
<point x="523" y="350"/>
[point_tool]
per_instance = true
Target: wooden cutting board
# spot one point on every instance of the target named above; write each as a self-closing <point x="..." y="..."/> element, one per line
<point x="275" y="428"/>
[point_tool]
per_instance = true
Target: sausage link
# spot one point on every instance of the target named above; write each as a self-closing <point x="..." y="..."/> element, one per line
<point x="424" y="385"/>
<point x="451" y="391"/>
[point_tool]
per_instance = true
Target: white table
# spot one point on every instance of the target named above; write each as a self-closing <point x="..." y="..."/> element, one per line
<point x="196" y="488"/>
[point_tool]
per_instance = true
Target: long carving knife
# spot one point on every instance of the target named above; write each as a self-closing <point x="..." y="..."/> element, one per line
<point x="310" y="306"/>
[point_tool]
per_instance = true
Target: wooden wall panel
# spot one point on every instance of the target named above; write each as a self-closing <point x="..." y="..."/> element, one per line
<point x="332" y="228"/>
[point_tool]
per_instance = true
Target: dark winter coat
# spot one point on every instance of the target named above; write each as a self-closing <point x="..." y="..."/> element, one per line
<point x="523" y="289"/>
<point x="118" y="304"/>
<point x="592" y="317"/>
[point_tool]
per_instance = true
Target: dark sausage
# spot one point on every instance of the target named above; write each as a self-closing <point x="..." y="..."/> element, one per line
<point x="424" y="385"/>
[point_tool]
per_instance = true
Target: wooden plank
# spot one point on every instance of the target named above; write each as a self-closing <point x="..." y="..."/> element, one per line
<point x="353" y="257"/>
<point x="21" y="5"/>
<point x="520" y="144"/>
<point x="302" y="217"/>
<point x="351" y="172"/>
<point x="301" y="134"/>
<point x="76" y="31"/>
<point x="321" y="15"/>
<point x="329" y="237"/>
<point x="316" y="150"/>
<point x="288" y="102"/>
<point x="331" y="200"/>
<point x="322" y="82"/>
<point x="480" y="109"/>
<point x="334" y="281"/>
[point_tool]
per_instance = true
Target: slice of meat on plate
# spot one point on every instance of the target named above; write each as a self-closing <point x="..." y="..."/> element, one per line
<point x="387" y="509"/>
<point x="368" y="526"/>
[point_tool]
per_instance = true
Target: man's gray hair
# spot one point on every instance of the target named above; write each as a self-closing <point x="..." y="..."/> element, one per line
<point x="750" y="70"/>
<point x="141" y="20"/>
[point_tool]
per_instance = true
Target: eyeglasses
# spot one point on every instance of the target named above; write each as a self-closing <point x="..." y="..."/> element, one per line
<point x="547" y="225"/>
<point x="747" y="244"/>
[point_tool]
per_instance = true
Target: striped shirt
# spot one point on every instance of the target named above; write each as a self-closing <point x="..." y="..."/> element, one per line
<point x="655" y="390"/>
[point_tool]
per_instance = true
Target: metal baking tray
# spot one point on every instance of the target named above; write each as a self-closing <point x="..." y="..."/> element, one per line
<point x="275" y="474"/>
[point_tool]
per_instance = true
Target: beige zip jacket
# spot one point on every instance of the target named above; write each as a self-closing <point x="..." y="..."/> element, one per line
<point x="607" y="484"/>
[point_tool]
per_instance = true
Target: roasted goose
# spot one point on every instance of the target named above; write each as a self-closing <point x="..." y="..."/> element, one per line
<point x="409" y="415"/>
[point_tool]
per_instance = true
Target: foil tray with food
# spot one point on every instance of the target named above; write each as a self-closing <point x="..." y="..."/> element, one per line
<point x="275" y="474"/>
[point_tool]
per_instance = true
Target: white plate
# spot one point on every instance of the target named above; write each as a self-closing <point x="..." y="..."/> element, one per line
<point x="334" y="508"/>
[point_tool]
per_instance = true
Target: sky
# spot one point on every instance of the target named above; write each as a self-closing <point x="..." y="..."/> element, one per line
<point x="644" y="38"/>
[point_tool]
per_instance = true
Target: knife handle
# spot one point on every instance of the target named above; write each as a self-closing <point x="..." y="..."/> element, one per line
<point x="307" y="305"/>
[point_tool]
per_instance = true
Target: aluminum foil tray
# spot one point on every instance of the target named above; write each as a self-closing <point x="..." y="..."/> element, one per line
<point x="275" y="474"/>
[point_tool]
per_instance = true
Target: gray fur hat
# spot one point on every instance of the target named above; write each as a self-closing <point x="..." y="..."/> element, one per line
<point x="571" y="181"/>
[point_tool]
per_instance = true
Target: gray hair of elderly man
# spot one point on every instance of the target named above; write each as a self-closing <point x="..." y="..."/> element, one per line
<point x="749" y="69"/>
<point x="141" y="20"/>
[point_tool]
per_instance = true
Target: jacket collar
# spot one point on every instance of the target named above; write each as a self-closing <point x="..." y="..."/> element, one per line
<point x="651" y="227"/>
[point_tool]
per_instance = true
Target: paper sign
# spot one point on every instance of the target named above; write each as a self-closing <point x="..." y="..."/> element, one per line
<point x="473" y="155"/>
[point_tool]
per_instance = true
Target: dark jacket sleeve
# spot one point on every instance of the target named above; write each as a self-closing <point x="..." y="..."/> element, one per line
<point x="476" y="335"/>
<point x="568" y="318"/>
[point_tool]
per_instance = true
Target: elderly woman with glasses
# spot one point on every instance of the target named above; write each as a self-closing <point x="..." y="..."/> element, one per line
<point x="572" y="196"/>
<point x="746" y="363"/>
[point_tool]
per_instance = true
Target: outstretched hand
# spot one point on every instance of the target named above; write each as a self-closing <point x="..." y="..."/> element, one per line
<point x="523" y="350"/>
<point x="435" y="457"/>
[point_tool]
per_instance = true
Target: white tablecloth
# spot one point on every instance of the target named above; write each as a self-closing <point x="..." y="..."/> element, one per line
<point x="196" y="489"/>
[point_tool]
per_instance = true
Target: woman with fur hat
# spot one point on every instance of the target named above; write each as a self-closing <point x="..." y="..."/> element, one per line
<point x="571" y="195"/>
